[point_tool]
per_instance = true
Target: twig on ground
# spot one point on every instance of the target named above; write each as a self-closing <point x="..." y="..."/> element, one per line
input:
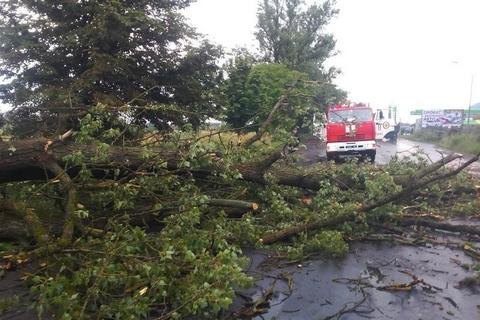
<point x="353" y="309"/>
<point x="409" y="285"/>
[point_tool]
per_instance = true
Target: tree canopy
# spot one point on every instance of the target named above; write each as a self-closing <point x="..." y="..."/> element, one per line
<point x="253" y="91"/>
<point x="62" y="57"/>
<point x="291" y="33"/>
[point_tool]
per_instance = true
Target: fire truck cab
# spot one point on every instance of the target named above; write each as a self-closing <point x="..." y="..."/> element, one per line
<point x="387" y="127"/>
<point x="350" y="131"/>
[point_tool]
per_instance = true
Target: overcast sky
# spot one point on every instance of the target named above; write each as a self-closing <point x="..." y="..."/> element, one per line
<point x="409" y="53"/>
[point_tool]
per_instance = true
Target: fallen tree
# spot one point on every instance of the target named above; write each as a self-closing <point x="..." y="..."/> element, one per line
<point x="199" y="204"/>
<point x="43" y="159"/>
<point x="27" y="160"/>
<point x="413" y="186"/>
<point x="199" y="199"/>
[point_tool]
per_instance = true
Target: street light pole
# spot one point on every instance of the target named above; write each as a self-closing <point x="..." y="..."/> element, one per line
<point x="471" y="93"/>
<point x="470" y="101"/>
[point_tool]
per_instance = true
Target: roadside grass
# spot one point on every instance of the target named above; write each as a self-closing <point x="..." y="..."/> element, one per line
<point x="463" y="142"/>
<point x="432" y="136"/>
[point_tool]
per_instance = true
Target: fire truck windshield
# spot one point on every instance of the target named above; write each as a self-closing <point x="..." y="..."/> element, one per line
<point x="359" y="115"/>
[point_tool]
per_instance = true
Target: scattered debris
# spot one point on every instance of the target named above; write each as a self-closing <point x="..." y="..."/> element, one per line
<point x="257" y="307"/>
<point x="471" y="251"/>
<point x="469" y="282"/>
<point x="452" y="302"/>
<point x="355" y="306"/>
<point x="408" y="286"/>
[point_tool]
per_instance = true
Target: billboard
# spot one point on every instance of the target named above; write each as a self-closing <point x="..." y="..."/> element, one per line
<point x="442" y="118"/>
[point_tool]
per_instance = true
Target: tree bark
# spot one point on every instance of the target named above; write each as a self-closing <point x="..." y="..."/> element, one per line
<point x="70" y="202"/>
<point x="25" y="160"/>
<point x="17" y="219"/>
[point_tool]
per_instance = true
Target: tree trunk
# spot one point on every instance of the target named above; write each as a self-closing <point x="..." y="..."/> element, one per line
<point x="25" y="160"/>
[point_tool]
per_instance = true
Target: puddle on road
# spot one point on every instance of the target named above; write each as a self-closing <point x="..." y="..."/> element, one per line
<point x="322" y="287"/>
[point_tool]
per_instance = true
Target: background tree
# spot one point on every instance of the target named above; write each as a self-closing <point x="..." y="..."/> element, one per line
<point x="292" y="33"/>
<point x="62" y="57"/>
<point x="237" y="68"/>
<point x="253" y="90"/>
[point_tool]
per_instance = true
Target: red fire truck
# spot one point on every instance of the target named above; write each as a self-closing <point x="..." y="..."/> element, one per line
<point x="350" y="132"/>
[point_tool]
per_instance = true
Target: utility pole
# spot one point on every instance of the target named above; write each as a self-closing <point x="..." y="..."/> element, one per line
<point x="469" y="113"/>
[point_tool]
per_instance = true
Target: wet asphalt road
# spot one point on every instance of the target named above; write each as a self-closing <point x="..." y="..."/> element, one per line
<point x="315" y="152"/>
<point x="321" y="287"/>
